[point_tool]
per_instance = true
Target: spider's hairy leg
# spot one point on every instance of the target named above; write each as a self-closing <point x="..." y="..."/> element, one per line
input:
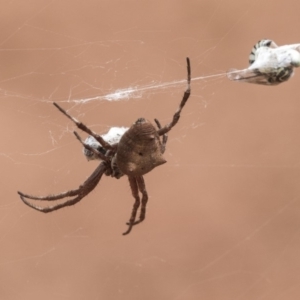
<point x="88" y="147"/>
<point x="164" y="139"/>
<point x="135" y="193"/>
<point x="185" y="97"/>
<point x="84" y="128"/>
<point x="83" y="190"/>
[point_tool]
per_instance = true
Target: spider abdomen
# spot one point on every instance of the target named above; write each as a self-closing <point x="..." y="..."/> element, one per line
<point x="139" y="150"/>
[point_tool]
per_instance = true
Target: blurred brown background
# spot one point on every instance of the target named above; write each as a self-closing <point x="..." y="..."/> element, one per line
<point x="223" y="217"/>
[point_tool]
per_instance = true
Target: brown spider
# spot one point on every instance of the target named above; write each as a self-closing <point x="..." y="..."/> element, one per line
<point x="138" y="152"/>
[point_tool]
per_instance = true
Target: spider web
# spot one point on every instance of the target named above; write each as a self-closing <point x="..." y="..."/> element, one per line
<point x="223" y="213"/>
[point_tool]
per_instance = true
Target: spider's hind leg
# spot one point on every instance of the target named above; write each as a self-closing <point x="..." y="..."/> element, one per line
<point x="78" y="194"/>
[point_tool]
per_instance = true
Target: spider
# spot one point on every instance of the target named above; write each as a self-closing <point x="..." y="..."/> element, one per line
<point x="133" y="152"/>
<point x="269" y="64"/>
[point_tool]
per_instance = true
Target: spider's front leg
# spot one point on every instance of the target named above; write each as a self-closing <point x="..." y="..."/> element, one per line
<point x="137" y="184"/>
<point x="164" y="139"/>
<point x="84" y="128"/>
<point x="91" y="149"/>
<point x="185" y="97"/>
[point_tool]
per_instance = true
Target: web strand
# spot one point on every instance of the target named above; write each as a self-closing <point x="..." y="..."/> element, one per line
<point x="137" y="92"/>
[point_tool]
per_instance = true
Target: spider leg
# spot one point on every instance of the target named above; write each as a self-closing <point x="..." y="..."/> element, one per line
<point x="83" y="190"/>
<point x="88" y="147"/>
<point x="164" y="139"/>
<point x="135" y="193"/>
<point x="185" y="97"/>
<point x="142" y="188"/>
<point x="84" y="128"/>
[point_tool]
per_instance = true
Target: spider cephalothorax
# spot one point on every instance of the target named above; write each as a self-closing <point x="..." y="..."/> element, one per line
<point x="132" y="152"/>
